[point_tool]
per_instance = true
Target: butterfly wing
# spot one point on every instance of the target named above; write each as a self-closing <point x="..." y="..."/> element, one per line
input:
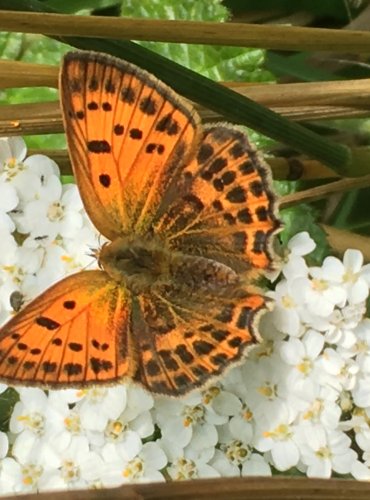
<point x="77" y="332"/>
<point x="128" y="136"/>
<point x="227" y="211"/>
<point x="186" y="342"/>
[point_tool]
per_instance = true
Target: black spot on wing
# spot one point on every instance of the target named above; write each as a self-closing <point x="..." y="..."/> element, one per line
<point x="128" y="95"/>
<point x="98" y="147"/>
<point x="48" y="367"/>
<point x="182" y="352"/>
<point x="75" y="346"/>
<point x="148" y="106"/>
<point x="47" y="323"/>
<point x="72" y="369"/>
<point x="92" y="106"/>
<point x="69" y="304"/>
<point x="236" y="195"/>
<point x="168" y="125"/>
<point x="205" y="152"/>
<point x="109" y="86"/>
<point x="105" y="180"/>
<point x="100" y="365"/>
<point x="118" y="129"/>
<point x="136" y="133"/>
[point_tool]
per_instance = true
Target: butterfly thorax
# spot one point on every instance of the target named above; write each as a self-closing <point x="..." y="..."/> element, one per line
<point x="146" y="264"/>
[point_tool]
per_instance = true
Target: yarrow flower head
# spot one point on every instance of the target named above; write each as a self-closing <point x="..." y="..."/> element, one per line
<point x="300" y="401"/>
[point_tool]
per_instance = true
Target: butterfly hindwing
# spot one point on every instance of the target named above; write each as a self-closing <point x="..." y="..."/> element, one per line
<point x="227" y="211"/>
<point x="187" y="343"/>
<point x="128" y="136"/>
<point x="69" y="335"/>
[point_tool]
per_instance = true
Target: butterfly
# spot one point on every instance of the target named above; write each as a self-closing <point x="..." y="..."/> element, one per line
<point x="190" y="216"/>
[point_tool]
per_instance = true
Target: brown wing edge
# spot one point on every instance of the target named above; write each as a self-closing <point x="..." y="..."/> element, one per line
<point x="265" y="172"/>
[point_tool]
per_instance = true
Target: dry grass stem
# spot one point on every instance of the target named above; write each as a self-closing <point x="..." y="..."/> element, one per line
<point x="237" y="34"/>
<point x="340" y="240"/>
<point x="282" y="168"/>
<point x="320" y="192"/>
<point x="235" y="488"/>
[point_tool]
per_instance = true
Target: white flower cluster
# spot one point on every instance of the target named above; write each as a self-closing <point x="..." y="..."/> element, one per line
<point x="44" y="231"/>
<point x="299" y="403"/>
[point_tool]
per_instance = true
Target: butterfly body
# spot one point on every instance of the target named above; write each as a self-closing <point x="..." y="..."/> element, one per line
<point x="190" y="218"/>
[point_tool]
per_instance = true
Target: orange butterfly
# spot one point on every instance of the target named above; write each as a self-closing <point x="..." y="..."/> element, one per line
<point x="190" y="215"/>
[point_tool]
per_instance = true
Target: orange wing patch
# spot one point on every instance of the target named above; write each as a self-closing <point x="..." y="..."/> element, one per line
<point x="128" y="136"/>
<point x="77" y="332"/>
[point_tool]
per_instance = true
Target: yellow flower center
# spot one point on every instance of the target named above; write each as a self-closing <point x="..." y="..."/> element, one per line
<point x="305" y="366"/>
<point x="324" y="453"/>
<point x="192" y="415"/>
<point x="268" y="390"/>
<point x="134" y="469"/>
<point x="282" y="432"/>
<point x="319" y="285"/>
<point x="55" y="212"/>
<point x="288" y="302"/>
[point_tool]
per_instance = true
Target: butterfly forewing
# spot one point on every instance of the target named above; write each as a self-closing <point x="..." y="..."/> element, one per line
<point x="128" y="136"/>
<point x="77" y="332"/>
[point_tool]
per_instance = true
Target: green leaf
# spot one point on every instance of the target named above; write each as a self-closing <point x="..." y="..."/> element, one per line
<point x="303" y="218"/>
<point x="8" y="399"/>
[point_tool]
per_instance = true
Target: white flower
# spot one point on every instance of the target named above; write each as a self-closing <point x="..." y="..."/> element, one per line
<point x="325" y="451"/>
<point x="320" y="406"/>
<point x="276" y="433"/>
<point x="342" y="322"/>
<point x="77" y="466"/>
<point x="4" y="444"/>
<point x="28" y="421"/>
<point x="8" y="202"/>
<point x="302" y="355"/>
<point x="13" y="151"/>
<point x="185" y="419"/>
<point x="56" y="214"/>
<point x="301" y="244"/>
<point x="185" y="468"/>
<point x="361" y="348"/>
<point x="101" y="404"/>
<point x="360" y="471"/>
<point x="16" y="477"/>
<point x="354" y="278"/>
<point x="360" y="425"/>
<point x="266" y="381"/>
<point x="144" y="467"/>
<point x="361" y="392"/>
<point x="319" y="293"/>
<point x="37" y="179"/>
<point x="286" y="311"/>
<point x="343" y="370"/>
